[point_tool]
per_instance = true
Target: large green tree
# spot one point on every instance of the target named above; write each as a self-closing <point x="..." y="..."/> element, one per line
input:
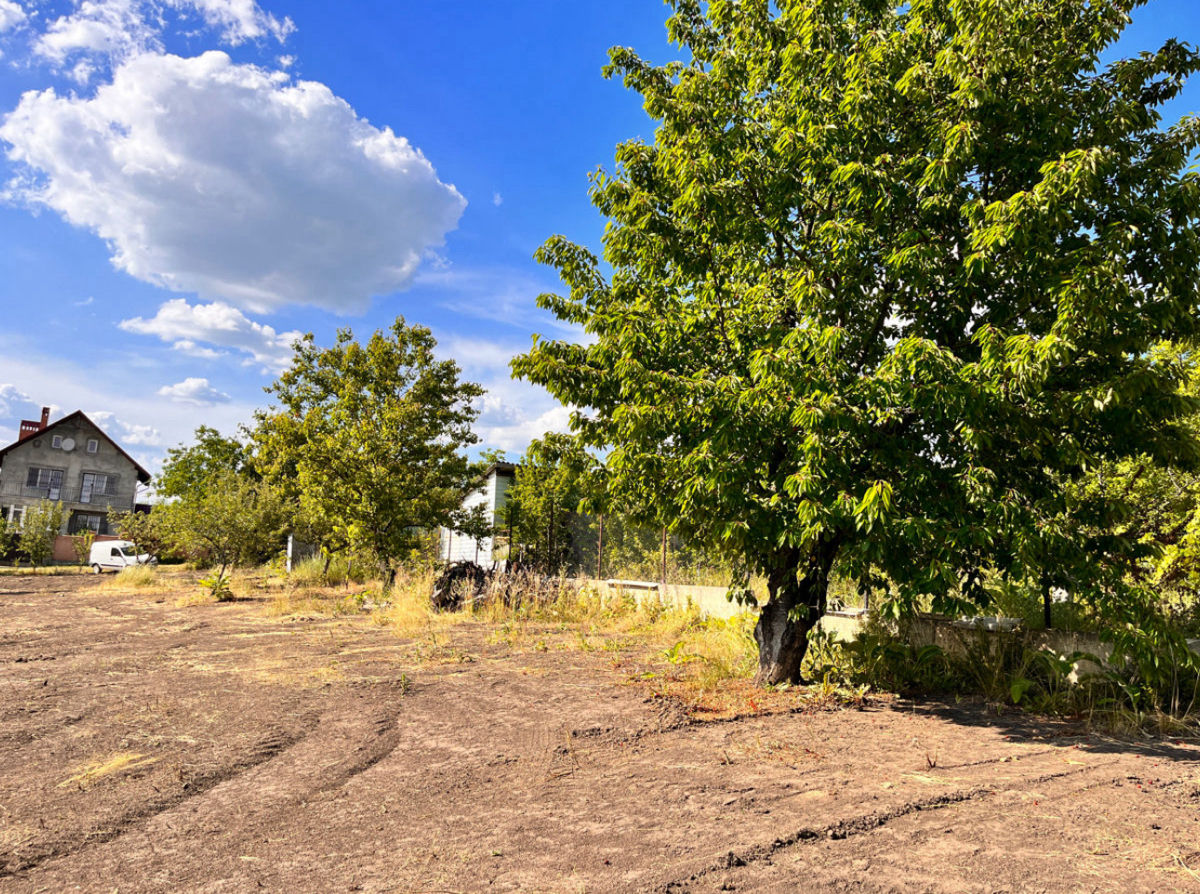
<point x="374" y="434"/>
<point x="189" y="469"/>
<point x="888" y="274"/>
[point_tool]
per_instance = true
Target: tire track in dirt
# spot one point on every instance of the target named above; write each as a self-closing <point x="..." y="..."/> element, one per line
<point x="196" y="786"/>
<point x="335" y="747"/>
<point x="515" y="769"/>
<point x="866" y="824"/>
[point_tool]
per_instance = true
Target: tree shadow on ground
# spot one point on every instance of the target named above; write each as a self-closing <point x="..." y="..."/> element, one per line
<point x="1071" y="732"/>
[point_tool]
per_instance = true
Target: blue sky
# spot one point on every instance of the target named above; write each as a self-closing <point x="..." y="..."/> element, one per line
<point x="188" y="182"/>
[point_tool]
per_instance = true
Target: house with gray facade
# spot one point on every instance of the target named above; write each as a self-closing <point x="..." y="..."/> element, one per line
<point x="73" y="462"/>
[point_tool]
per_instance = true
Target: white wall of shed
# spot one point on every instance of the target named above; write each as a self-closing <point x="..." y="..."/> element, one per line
<point x="455" y="547"/>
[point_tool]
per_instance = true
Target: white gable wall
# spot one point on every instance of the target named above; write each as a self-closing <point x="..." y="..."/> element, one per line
<point x="455" y="547"/>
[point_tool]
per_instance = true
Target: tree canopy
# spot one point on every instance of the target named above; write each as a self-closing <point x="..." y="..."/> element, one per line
<point x="233" y="520"/>
<point x="544" y="499"/>
<point x="40" y="527"/>
<point x="373" y="436"/>
<point x="889" y="276"/>
<point x="188" y="470"/>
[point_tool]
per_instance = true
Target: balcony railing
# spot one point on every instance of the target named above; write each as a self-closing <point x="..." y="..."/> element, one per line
<point x="75" y="496"/>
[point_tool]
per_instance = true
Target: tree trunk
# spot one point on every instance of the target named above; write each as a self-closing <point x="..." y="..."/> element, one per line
<point x="389" y="578"/>
<point x="1047" y="603"/>
<point x="795" y="606"/>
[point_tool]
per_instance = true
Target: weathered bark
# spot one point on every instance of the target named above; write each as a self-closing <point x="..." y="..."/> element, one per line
<point x="798" y="585"/>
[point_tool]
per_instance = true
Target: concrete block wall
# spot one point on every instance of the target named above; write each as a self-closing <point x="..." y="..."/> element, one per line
<point x="846" y="625"/>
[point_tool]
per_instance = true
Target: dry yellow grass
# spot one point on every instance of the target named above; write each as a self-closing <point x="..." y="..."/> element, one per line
<point x="44" y="571"/>
<point x="200" y="597"/>
<point x="89" y="774"/>
<point x="699" y="655"/>
<point x="316" y="602"/>
<point x="140" y="577"/>
<point x="408" y="612"/>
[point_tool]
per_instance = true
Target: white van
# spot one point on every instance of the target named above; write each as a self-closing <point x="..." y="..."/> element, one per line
<point x="113" y="555"/>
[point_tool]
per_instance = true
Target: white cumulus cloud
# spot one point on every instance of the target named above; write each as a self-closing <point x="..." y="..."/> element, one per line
<point x="195" y="391"/>
<point x="233" y="182"/>
<point x="13" y="402"/>
<point x="126" y="433"/>
<point x="109" y="28"/>
<point x="12" y="14"/>
<point x="189" y="347"/>
<point x="101" y="33"/>
<point x="185" y="326"/>
<point x="511" y="413"/>
<point x="238" y="20"/>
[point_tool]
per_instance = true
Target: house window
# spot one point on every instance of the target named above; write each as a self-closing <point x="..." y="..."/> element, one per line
<point x="97" y="485"/>
<point x="16" y="516"/>
<point x="47" y="483"/>
<point x="92" y="445"/>
<point x="56" y="442"/>
<point x="84" y="521"/>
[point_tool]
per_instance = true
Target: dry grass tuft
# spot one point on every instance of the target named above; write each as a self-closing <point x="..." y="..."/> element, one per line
<point x="320" y="602"/>
<point x="339" y="571"/>
<point x="408" y="612"/>
<point x="138" y="577"/>
<point x="89" y="774"/>
<point x="672" y="644"/>
<point x="197" y="598"/>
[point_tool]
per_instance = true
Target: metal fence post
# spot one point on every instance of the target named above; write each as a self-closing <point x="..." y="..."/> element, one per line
<point x="600" y="552"/>
<point x="664" y="556"/>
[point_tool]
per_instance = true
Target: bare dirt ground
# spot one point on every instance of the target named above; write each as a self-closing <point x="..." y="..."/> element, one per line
<point x="150" y="747"/>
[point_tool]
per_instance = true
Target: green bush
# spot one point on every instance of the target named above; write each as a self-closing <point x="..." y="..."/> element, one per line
<point x="1150" y="681"/>
<point x="218" y="586"/>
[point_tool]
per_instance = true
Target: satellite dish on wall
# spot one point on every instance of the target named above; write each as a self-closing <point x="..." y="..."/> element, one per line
<point x="68" y="444"/>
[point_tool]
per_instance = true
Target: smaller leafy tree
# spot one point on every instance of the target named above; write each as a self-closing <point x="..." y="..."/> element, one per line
<point x="40" y="527"/>
<point x="371" y="438"/>
<point x="545" y="499"/>
<point x="10" y="535"/>
<point x="312" y="524"/>
<point x="143" y="529"/>
<point x="234" y="521"/>
<point x="277" y="441"/>
<point x="475" y="522"/>
<point x="83" y="546"/>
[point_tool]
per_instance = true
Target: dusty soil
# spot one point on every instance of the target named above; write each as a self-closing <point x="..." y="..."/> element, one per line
<point x="150" y="747"/>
